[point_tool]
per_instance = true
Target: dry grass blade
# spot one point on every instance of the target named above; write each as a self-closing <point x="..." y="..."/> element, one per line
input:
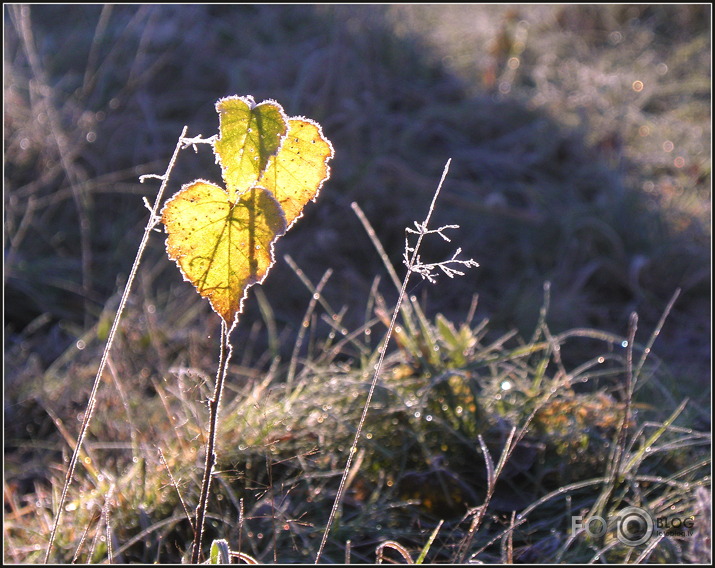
<point x="580" y="141"/>
<point x="89" y="412"/>
<point x="392" y="545"/>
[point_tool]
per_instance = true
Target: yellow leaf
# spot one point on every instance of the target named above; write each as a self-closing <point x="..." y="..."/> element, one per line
<point x="249" y="135"/>
<point x="296" y="173"/>
<point x="222" y="239"/>
<point x="222" y="247"/>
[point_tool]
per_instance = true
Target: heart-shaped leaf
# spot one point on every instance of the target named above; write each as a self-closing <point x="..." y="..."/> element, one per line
<point x="221" y="247"/>
<point x="249" y="135"/>
<point x="222" y="239"/>
<point x="297" y="172"/>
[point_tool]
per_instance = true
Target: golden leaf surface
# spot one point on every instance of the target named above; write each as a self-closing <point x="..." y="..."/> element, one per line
<point x="272" y="165"/>
<point x="222" y="247"/>
<point x="249" y="135"/>
<point x="299" y="169"/>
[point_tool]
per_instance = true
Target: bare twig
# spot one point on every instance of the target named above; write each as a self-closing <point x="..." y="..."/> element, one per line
<point x="413" y="265"/>
<point x="151" y="223"/>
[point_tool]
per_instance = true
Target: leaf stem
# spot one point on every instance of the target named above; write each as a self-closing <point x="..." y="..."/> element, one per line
<point x="214" y="404"/>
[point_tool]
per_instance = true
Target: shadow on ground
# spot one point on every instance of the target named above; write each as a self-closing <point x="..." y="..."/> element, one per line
<point x="105" y="91"/>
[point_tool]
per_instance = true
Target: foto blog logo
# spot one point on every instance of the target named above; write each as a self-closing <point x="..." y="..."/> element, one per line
<point x="633" y="525"/>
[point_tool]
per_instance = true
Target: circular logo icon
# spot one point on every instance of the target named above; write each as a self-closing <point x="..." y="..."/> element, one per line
<point x="634" y="526"/>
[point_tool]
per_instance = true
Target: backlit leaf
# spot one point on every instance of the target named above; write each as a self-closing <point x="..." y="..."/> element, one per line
<point x="249" y="135"/>
<point x="222" y="239"/>
<point x="297" y="172"/>
<point x="222" y="247"/>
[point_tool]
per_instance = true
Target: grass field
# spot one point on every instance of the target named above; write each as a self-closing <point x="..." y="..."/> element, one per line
<point x="580" y="144"/>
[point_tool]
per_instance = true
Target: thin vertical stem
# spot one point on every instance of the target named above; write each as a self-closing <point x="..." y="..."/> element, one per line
<point x="378" y="369"/>
<point x="214" y="404"/>
<point x="153" y="220"/>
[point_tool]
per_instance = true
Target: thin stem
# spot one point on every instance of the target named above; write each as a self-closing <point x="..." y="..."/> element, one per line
<point x="654" y="335"/>
<point x="378" y="369"/>
<point x="153" y="220"/>
<point x="619" y="446"/>
<point x="214" y="406"/>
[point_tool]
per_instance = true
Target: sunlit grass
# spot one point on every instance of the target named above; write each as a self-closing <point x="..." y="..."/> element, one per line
<point x="563" y="170"/>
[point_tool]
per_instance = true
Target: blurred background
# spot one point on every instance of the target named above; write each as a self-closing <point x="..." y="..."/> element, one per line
<point x="579" y="137"/>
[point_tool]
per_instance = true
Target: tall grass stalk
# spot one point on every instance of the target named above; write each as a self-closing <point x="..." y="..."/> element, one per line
<point x="151" y="223"/>
<point x="413" y="263"/>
